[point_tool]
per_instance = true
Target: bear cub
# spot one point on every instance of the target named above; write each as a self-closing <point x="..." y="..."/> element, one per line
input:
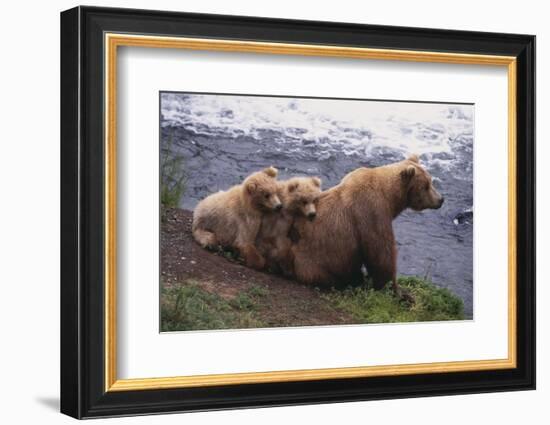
<point x="232" y="218"/>
<point x="299" y="197"/>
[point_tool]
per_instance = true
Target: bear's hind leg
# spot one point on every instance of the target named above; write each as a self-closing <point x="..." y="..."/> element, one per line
<point x="379" y="278"/>
<point x="205" y="238"/>
<point x="381" y="263"/>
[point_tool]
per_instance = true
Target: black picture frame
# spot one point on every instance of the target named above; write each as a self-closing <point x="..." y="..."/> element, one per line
<point x="83" y="392"/>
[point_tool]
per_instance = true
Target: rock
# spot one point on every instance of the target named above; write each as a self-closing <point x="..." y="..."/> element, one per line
<point x="463" y="217"/>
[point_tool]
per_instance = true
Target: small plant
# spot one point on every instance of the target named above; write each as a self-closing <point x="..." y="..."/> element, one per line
<point x="258" y="291"/>
<point x="242" y="302"/>
<point x="172" y="176"/>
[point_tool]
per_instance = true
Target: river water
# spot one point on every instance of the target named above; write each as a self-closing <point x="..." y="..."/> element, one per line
<point x="223" y="138"/>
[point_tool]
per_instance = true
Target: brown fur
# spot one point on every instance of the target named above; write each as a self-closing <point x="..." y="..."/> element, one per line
<point x="232" y="218"/>
<point x="354" y="224"/>
<point x="299" y="196"/>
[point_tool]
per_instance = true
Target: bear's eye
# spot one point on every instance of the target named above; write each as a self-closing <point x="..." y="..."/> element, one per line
<point x="266" y="195"/>
<point x="428" y="186"/>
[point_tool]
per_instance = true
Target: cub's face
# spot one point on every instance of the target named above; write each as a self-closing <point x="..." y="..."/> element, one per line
<point x="421" y="193"/>
<point x="302" y="195"/>
<point x="262" y="189"/>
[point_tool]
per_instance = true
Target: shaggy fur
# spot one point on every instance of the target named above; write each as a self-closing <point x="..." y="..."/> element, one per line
<point x="232" y="218"/>
<point x="354" y="225"/>
<point x="299" y="196"/>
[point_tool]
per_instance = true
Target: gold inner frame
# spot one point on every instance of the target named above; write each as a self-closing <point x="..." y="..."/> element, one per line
<point x="113" y="41"/>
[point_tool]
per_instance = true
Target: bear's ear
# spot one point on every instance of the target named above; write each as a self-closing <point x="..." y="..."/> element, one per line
<point x="316" y="181"/>
<point x="251" y="187"/>
<point x="414" y="158"/>
<point x="271" y="171"/>
<point x="408" y="173"/>
<point x="293" y="186"/>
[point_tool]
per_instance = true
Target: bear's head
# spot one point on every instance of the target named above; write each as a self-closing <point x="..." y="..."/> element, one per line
<point x="262" y="189"/>
<point x="301" y="194"/>
<point x="421" y="193"/>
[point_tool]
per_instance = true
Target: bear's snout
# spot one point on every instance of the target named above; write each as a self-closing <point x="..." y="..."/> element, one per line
<point x="441" y="200"/>
<point x="309" y="211"/>
<point x="273" y="203"/>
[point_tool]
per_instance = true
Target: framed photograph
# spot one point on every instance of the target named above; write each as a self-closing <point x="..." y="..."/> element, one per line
<point x="261" y="212"/>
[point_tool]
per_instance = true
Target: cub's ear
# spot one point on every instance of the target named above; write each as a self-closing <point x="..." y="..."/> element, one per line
<point x="251" y="187"/>
<point x="293" y="186"/>
<point x="316" y="181"/>
<point x="414" y="158"/>
<point x="408" y="173"/>
<point x="271" y="171"/>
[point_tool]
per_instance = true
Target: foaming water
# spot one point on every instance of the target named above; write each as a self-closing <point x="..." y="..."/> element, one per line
<point x="223" y="138"/>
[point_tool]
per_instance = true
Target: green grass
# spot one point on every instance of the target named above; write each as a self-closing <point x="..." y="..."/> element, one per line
<point x="366" y="305"/>
<point x="190" y="307"/>
<point x="173" y="177"/>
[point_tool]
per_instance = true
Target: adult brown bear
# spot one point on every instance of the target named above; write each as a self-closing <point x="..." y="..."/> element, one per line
<point x="354" y="225"/>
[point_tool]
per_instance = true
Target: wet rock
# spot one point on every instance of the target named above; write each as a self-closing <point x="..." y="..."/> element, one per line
<point x="463" y="217"/>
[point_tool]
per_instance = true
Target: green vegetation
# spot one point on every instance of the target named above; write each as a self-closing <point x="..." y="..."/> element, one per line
<point x="172" y="176"/>
<point x="366" y="305"/>
<point x="190" y="307"/>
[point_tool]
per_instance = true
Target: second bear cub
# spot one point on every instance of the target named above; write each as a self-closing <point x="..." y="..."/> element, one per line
<point x="299" y="196"/>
